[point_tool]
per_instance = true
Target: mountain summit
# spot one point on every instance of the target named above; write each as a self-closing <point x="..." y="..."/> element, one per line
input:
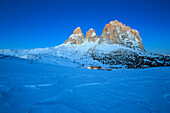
<point x="77" y="37"/>
<point x="113" y="33"/>
<point x="91" y="35"/>
<point x="117" y="33"/>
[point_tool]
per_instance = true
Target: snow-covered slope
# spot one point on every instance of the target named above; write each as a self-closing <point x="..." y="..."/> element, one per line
<point x="92" y="54"/>
<point x="32" y="87"/>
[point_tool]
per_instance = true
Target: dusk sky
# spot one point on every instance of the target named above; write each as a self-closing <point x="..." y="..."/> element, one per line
<point x="26" y="24"/>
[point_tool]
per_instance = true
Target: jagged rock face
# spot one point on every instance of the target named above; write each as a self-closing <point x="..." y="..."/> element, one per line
<point x="77" y="31"/>
<point x="91" y="35"/>
<point x="117" y="33"/>
<point x="77" y="37"/>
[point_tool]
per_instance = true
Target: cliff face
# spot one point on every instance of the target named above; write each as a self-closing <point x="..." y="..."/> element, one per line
<point x="91" y="35"/>
<point x="114" y="33"/>
<point x="77" y="37"/>
<point x="117" y="33"/>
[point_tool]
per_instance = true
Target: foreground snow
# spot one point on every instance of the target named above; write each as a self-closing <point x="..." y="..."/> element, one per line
<point x="32" y="87"/>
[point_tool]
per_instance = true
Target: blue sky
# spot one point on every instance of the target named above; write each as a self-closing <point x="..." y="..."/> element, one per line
<point x="28" y="24"/>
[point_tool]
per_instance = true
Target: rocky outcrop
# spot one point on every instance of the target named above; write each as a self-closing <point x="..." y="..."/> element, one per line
<point x="117" y="33"/>
<point x="114" y="33"/>
<point x="77" y="37"/>
<point x="91" y="35"/>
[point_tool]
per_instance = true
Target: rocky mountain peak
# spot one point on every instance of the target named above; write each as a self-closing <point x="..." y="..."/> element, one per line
<point x="117" y="33"/>
<point x="113" y="33"/>
<point x="77" y="31"/>
<point x="91" y="35"/>
<point x="77" y="37"/>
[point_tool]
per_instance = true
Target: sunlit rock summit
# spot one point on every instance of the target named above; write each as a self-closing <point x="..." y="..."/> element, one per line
<point x="91" y="35"/>
<point x="77" y="37"/>
<point x="117" y="33"/>
<point x="113" y="33"/>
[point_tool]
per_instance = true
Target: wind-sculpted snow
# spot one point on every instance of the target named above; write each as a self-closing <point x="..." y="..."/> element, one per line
<point x="32" y="87"/>
<point x="95" y="98"/>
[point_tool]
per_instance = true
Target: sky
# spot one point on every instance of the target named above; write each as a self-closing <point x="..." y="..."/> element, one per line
<point x="27" y="24"/>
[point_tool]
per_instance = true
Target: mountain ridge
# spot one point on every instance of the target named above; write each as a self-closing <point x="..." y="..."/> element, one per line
<point x="119" y="46"/>
<point x="113" y="33"/>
